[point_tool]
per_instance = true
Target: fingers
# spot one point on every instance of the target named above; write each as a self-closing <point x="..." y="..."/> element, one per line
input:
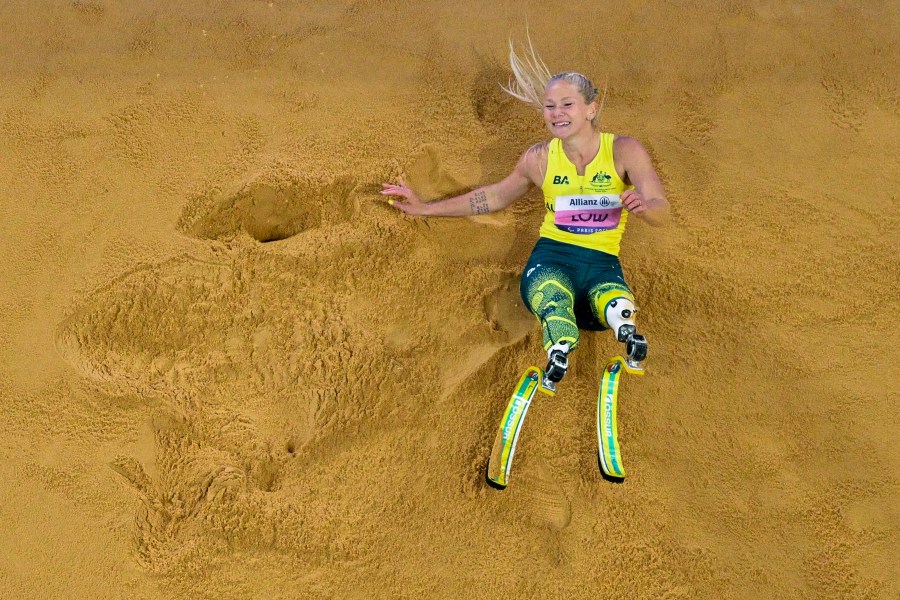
<point x="395" y="186"/>
<point x="393" y="190"/>
<point x="402" y="206"/>
<point x="396" y="190"/>
<point x="409" y="203"/>
<point x="632" y="201"/>
<point x="409" y="197"/>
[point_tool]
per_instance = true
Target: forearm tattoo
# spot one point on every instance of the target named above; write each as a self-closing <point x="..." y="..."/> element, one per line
<point x="478" y="203"/>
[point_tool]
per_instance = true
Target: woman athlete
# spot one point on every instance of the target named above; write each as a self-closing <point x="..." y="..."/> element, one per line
<point x="592" y="183"/>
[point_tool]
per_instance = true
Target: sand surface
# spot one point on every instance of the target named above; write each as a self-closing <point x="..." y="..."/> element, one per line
<point x="229" y="370"/>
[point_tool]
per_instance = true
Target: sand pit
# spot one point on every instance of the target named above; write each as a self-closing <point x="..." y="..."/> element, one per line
<point x="229" y="370"/>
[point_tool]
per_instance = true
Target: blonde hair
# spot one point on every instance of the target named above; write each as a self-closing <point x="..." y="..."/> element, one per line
<point x="531" y="78"/>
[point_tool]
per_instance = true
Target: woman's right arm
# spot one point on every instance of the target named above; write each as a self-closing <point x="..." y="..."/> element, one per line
<point x="483" y="200"/>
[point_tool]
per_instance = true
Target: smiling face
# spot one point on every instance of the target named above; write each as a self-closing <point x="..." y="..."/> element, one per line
<point x="565" y="111"/>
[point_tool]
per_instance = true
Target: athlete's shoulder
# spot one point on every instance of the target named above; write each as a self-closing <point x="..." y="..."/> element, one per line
<point x="634" y="162"/>
<point x="538" y="150"/>
<point x="626" y="144"/>
<point x="533" y="162"/>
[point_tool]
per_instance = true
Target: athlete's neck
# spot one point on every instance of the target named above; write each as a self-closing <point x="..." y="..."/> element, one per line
<point x="582" y="148"/>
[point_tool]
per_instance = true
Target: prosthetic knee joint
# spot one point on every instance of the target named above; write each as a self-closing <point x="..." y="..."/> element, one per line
<point x="618" y="315"/>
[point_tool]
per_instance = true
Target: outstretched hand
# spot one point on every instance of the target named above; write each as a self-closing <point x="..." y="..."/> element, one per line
<point x="411" y="204"/>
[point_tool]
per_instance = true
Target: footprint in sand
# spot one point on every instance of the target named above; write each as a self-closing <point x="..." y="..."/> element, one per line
<point x="548" y="503"/>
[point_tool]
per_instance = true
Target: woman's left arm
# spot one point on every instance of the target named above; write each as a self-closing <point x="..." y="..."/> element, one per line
<point x="648" y="199"/>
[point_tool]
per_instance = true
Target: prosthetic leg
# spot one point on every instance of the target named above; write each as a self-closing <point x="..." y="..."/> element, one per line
<point x="533" y="380"/>
<point x="616" y="309"/>
<point x="550" y="298"/>
<point x="552" y="302"/>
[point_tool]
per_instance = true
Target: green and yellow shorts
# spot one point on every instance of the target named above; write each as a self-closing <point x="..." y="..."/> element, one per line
<point x="568" y="287"/>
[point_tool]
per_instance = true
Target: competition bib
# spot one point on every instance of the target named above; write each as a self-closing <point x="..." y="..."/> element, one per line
<point x="588" y="213"/>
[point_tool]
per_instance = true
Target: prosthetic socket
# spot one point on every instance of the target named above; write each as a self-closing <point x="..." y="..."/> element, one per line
<point x="619" y="316"/>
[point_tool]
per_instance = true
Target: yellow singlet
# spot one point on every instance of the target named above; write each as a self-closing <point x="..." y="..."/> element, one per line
<point x="584" y="210"/>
